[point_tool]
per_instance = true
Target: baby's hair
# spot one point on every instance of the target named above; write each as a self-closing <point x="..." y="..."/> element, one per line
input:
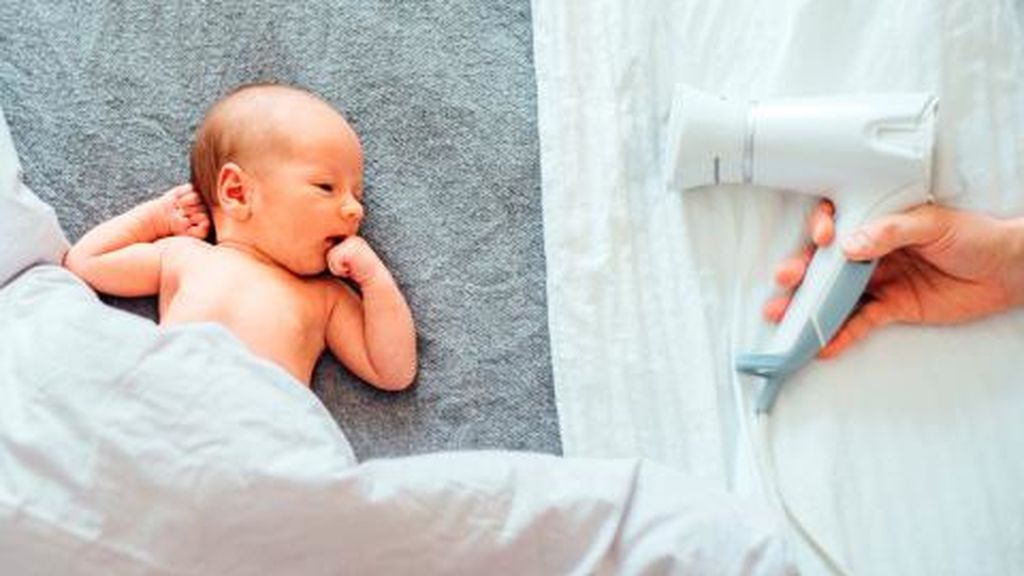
<point x="226" y="133"/>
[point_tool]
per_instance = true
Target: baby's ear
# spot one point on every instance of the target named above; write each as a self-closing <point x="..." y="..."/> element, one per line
<point x="234" y="195"/>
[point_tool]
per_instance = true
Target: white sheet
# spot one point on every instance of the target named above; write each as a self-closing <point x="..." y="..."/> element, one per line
<point x="29" y="231"/>
<point x="898" y="455"/>
<point x="130" y="449"/>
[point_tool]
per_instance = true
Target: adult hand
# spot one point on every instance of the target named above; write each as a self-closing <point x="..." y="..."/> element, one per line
<point x="938" y="266"/>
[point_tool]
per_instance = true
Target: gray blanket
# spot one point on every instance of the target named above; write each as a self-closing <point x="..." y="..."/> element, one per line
<point x="102" y="99"/>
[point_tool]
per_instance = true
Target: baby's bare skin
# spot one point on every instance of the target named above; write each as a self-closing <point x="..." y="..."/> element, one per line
<point x="279" y="316"/>
<point x="291" y="212"/>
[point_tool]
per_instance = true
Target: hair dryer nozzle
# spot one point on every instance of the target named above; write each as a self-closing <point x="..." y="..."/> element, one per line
<point x="708" y="140"/>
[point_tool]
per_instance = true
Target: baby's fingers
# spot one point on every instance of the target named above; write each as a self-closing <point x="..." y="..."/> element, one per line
<point x="180" y="190"/>
<point x="198" y="229"/>
<point x="189" y="199"/>
<point x="197" y="217"/>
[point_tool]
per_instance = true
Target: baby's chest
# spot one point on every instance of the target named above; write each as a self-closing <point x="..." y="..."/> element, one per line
<point x="253" y="300"/>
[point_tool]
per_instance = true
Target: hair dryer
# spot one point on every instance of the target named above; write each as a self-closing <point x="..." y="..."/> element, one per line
<point x="869" y="154"/>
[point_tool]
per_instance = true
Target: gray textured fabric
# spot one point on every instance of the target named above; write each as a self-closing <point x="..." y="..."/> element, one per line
<point x="102" y="99"/>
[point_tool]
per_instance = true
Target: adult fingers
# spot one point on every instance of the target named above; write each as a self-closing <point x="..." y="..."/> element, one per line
<point x="891" y="232"/>
<point x="775" y="308"/>
<point x="823" y="223"/>
<point x="889" y="270"/>
<point x="789" y="273"/>
<point x="872" y="315"/>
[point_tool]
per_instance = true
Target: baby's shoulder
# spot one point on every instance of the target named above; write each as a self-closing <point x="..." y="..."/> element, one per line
<point x="179" y="251"/>
<point x="182" y="243"/>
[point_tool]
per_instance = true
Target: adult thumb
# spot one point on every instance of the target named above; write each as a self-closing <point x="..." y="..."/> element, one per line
<point x="917" y="227"/>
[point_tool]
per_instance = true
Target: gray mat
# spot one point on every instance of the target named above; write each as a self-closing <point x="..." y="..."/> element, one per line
<point x="102" y="99"/>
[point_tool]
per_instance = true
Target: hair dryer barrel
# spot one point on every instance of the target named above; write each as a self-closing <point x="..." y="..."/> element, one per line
<point x="871" y="154"/>
<point x="820" y="145"/>
<point x="807" y="145"/>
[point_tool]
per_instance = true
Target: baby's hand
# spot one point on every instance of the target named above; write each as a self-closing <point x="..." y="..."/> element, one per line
<point x="353" y="258"/>
<point x="181" y="212"/>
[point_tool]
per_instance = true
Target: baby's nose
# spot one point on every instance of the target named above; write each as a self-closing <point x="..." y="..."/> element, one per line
<point x="352" y="211"/>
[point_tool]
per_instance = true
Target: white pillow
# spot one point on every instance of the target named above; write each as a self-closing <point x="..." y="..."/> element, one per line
<point x="29" y="231"/>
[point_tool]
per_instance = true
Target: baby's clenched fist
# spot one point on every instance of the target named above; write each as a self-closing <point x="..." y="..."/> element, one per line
<point x="353" y="258"/>
<point x="182" y="213"/>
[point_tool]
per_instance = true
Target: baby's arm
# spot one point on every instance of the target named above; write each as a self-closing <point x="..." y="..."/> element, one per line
<point x="120" y="256"/>
<point x="374" y="337"/>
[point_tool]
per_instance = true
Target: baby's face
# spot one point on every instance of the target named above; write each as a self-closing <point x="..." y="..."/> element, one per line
<point x="309" y="195"/>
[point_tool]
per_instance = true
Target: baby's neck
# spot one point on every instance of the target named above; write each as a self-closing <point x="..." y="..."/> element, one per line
<point x="248" y="250"/>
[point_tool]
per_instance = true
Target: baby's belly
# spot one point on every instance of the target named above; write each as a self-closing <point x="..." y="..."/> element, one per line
<point x="279" y="334"/>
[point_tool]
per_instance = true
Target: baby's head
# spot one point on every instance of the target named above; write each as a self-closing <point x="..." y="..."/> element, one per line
<point x="282" y="174"/>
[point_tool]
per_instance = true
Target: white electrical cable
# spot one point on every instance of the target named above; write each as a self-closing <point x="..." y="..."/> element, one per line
<point x="761" y="448"/>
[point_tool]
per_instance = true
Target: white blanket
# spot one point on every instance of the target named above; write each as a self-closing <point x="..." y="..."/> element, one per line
<point x="130" y="449"/>
<point x="126" y="448"/>
<point x="898" y="456"/>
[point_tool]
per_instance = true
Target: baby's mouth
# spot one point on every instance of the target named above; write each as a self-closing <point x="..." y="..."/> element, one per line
<point x="334" y="240"/>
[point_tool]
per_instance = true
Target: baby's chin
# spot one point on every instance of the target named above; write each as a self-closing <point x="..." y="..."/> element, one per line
<point x="308" y="267"/>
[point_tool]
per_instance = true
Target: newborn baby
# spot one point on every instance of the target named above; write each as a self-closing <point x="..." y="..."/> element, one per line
<point x="282" y="174"/>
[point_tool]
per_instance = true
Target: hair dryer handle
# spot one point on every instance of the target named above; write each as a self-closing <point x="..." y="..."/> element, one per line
<point x="832" y="287"/>
<point x="842" y="297"/>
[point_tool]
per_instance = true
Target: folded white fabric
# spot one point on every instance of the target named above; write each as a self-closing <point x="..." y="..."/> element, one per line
<point x="29" y="231"/>
<point x="130" y="449"/>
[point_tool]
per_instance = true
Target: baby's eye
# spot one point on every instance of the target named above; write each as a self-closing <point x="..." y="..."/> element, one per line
<point x="326" y="187"/>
